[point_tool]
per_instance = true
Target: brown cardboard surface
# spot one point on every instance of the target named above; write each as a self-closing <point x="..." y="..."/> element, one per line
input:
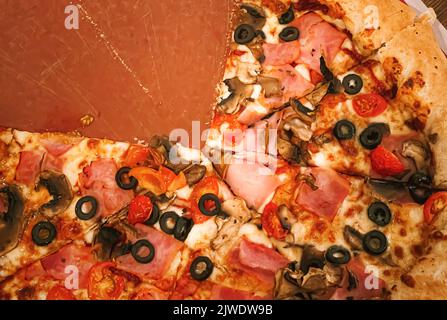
<point x="137" y="67"/>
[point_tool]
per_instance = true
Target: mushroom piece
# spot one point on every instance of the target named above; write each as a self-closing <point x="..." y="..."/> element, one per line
<point x="13" y="220"/>
<point x="238" y="93"/>
<point x="418" y="152"/>
<point x="353" y="237"/>
<point x="294" y="126"/>
<point x="318" y="94"/>
<point x="228" y="231"/>
<point x="311" y="259"/>
<point x="108" y="239"/>
<point x="194" y="174"/>
<point x="253" y="15"/>
<point x="237" y="208"/>
<point x="272" y="86"/>
<point x="60" y="190"/>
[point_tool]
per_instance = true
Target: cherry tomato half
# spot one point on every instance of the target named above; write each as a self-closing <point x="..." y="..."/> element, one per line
<point x="434" y="205"/>
<point x="271" y="222"/>
<point x="103" y="284"/>
<point x="59" y="292"/>
<point x="140" y="209"/>
<point x="369" y="105"/>
<point x="386" y="163"/>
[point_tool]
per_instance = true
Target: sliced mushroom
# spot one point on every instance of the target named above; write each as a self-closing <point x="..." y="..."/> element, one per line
<point x="311" y="259"/>
<point x="286" y="217"/>
<point x="12" y="221"/>
<point x="228" y="230"/>
<point x="162" y="145"/>
<point x="239" y="92"/>
<point x="194" y="174"/>
<point x="418" y="152"/>
<point x="237" y="208"/>
<point x="253" y="15"/>
<point x="318" y="94"/>
<point x="272" y="86"/>
<point x="294" y="127"/>
<point x="353" y="237"/>
<point x="108" y="239"/>
<point x="60" y="190"/>
<point x="293" y="153"/>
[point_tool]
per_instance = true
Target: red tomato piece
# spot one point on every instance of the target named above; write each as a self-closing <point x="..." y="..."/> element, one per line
<point x="136" y="155"/>
<point x="59" y="292"/>
<point x="103" y="284"/>
<point x="369" y="105"/>
<point x="271" y="222"/>
<point x="140" y="209"/>
<point x="434" y="205"/>
<point x="386" y="163"/>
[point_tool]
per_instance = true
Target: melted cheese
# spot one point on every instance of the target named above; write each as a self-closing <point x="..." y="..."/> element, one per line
<point x="201" y="235"/>
<point x="252" y="233"/>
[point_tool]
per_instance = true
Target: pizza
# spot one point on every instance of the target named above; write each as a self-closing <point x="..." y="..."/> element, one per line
<point x="324" y="176"/>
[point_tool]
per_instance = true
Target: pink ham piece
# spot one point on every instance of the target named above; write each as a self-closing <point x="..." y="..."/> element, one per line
<point x="166" y="248"/>
<point x="98" y="181"/>
<point x="224" y="293"/>
<point x="252" y="181"/>
<point x="292" y="82"/>
<point x="281" y="53"/>
<point x="55" y="148"/>
<point x="71" y="255"/>
<point x="327" y="199"/>
<point x="362" y="292"/>
<point x="257" y="260"/>
<point x="317" y="38"/>
<point x="29" y="167"/>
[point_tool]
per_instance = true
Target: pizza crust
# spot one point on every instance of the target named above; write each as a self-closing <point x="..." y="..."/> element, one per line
<point x="421" y="76"/>
<point x="373" y="22"/>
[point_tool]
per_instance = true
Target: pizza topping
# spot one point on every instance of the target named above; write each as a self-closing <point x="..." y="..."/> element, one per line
<point x="208" y="185"/>
<point x="143" y="257"/>
<point x="419" y="186"/>
<point x="209" y="205"/>
<point x="124" y="181"/>
<point x="280" y="54"/>
<point x="86" y="208"/>
<point x="386" y="163"/>
<point x="60" y="190"/>
<point x="43" y="233"/>
<point x="201" y="268"/>
<point x="182" y="228"/>
<point x="418" y="152"/>
<point x="11" y="221"/>
<point x="59" y="292"/>
<point x="289" y="34"/>
<point x="338" y="255"/>
<point x="224" y="293"/>
<point x="168" y="221"/>
<point x="108" y="238"/>
<point x="239" y="91"/>
<point x="271" y="222"/>
<point x="254" y="16"/>
<point x="436" y="204"/>
<point x="98" y="181"/>
<point x="155" y="215"/>
<point x="166" y="248"/>
<point x="311" y="258"/>
<point x="194" y="174"/>
<point x="140" y="209"/>
<point x="369" y="105"/>
<point x="29" y="167"/>
<point x="103" y="284"/>
<point x="372" y="136"/>
<point x="331" y="190"/>
<point x="353" y="84"/>
<point x="344" y="130"/>
<point x="244" y="34"/>
<point x="379" y="213"/>
<point x="287" y="17"/>
<point x="375" y="243"/>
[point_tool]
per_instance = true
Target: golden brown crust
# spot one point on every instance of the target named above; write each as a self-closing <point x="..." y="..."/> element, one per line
<point x="373" y="22"/>
<point x="421" y="82"/>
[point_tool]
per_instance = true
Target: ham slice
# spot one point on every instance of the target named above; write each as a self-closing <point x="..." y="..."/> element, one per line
<point x="71" y="255"/>
<point x="98" y="180"/>
<point x="224" y="293"/>
<point x="292" y="82"/>
<point x="166" y="249"/>
<point x="281" y="53"/>
<point x="55" y="148"/>
<point x="29" y="167"/>
<point x="252" y="181"/>
<point x="257" y="260"/>
<point x="327" y="199"/>
<point x="357" y="269"/>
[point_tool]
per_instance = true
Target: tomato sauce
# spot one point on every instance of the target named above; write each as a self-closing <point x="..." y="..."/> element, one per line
<point x="131" y="70"/>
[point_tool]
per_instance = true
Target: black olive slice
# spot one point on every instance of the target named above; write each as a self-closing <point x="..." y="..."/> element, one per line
<point x="419" y="187"/>
<point x="43" y="233"/>
<point x="155" y="215"/>
<point x="244" y="34"/>
<point x="344" y="130"/>
<point x="327" y="74"/>
<point x="338" y="255"/>
<point x="375" y="243"/>
<point x="201" y="268"/>
<point x="121" y="177"/>
<point x="216" y="207"/>
<point x="182" y="228"/>
<point x="289" y="34"/>
<point x="353" y="84"/>
<point x="136" y="247"/>
<point x="379" y="213"/>
<point x="372" y="136"/>
<point x="93" y="208"/>
<point x="287" y="17"/>
<point x="168" y="221"/>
